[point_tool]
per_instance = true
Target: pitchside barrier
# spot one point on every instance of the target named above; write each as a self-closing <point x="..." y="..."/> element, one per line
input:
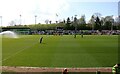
<point x="56" y="73"/>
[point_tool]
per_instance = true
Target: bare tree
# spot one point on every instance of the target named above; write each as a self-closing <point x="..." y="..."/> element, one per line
<point x="46" y="21"/>
<point x="12" y="23"/>
<point x="92" y="22"/>
<point x="97" y="15"/>
<point x="82" y="20"/>
<point x="109" y="22"/>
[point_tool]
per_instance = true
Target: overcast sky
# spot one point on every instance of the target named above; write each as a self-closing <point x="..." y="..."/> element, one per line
<point x="10" y="10"/>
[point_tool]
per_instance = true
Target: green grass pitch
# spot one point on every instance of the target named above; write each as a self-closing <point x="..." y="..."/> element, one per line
<point x="60" y="51"/>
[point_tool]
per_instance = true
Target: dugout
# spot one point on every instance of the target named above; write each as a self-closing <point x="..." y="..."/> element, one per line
<point x="24" y="31"/>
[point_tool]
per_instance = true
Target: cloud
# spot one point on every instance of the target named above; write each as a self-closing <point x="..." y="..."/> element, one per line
<point x="47" y="9"/>
<point x="44" y="9"/>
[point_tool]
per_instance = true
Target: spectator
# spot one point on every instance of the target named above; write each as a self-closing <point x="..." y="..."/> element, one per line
<point x="65" y="71"/>
<point x="116" y="69"/>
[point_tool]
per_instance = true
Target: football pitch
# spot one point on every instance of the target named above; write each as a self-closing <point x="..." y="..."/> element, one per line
<point x="60" y="51"/>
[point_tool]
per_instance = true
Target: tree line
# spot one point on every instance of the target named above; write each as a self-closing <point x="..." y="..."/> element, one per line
<point x="96" y="22"/>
